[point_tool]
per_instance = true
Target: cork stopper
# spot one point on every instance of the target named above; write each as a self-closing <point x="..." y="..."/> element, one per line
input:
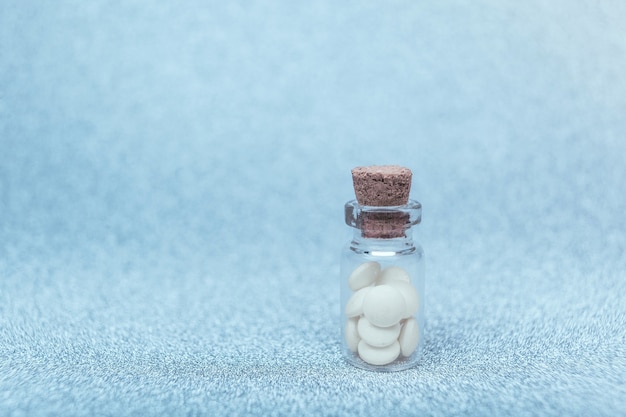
<point x="383" y="186"/>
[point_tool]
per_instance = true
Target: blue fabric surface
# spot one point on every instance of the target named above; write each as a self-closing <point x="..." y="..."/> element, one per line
<point x="172" y="177"/>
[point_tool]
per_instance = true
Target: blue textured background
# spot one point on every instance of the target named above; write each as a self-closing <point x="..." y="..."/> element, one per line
<point x="172" y="177"/>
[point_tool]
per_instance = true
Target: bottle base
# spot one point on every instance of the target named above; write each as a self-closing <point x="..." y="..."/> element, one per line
<point x="400" y="364"/>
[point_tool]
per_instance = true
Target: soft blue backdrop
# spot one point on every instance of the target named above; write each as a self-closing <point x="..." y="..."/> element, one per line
<point x="172" y="176"/>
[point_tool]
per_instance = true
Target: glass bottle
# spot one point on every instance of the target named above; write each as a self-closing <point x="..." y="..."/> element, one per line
<point x="382" y="288"/>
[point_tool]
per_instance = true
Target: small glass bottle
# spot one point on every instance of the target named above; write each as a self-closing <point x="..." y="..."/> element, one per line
<point x="382" y="287"/>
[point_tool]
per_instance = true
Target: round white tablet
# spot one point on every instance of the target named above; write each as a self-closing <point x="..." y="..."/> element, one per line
<point x="364" y="275"/>
<point x="383" y="305"/>
<point x="354" y="306"/>
<point x="379" y="356"/>
<point x="352" y="335"/>
<point x="410" y="295"/>
<point x="409" y="336"/>
<point x="393" y="273"/>
<point x="377" y="336"/>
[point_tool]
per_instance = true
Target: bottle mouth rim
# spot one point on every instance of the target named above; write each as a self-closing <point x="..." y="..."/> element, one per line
<point x="409" y="206"/>
<point x="403" y="216"/>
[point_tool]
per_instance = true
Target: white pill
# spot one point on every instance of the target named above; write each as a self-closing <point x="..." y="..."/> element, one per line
<point x="383" y="305"/>
<point x="393" y="273"/>
<point x="409" y="293"/>
<point x="354" y="306"/>
<point x="364" y="275"/>
<point x="409" y="336"/>
<point x="379" y="356"/>
<point x="377" y="336"/>
<point x="352" y="335"/>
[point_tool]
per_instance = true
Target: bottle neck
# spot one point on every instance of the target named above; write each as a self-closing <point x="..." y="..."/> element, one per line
<point x="382" y="246"/>
<point x="407" y="236"/>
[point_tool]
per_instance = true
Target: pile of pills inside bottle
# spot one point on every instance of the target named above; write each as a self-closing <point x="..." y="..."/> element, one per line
<point x="380" y="326"/>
